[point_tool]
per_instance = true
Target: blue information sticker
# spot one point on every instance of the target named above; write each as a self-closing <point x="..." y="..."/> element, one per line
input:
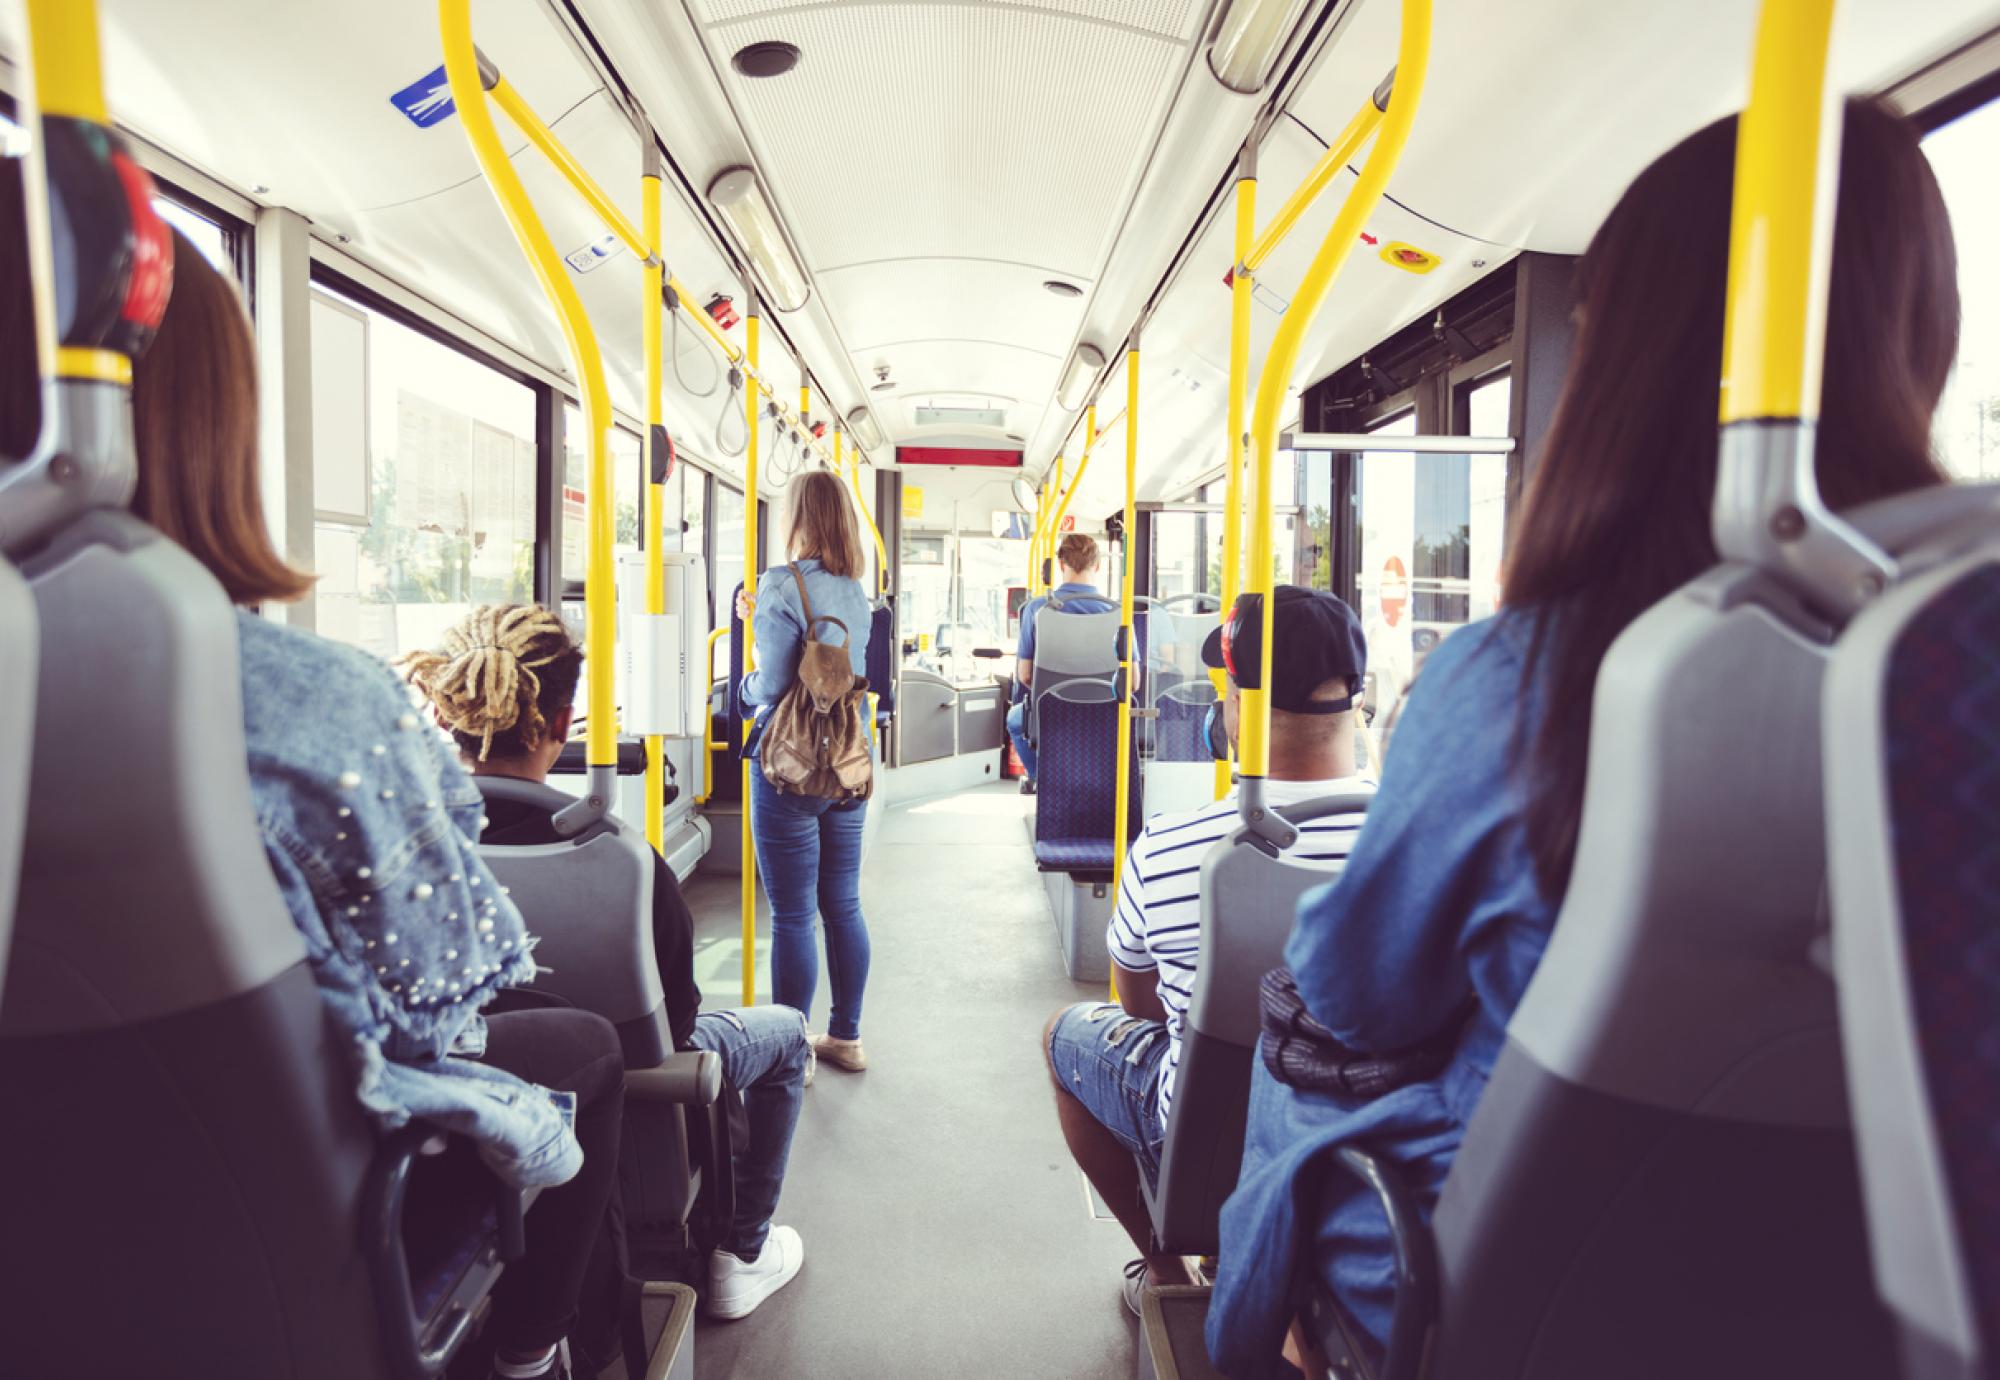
<point x="427" y="100"/>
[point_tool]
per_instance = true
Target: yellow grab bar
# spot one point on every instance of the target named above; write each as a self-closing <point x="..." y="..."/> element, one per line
<point x="542" y="137"/>
<point x="1779" y="248"/>
<point x="1240" y="298"/>
<point x="469" y="92"/>
<point x="1323" y="172"/>
<point x="64" y="61"/>
<point x="861" y="503"/>
<point x="752" y="327"/>
<point x="709" y="745"/>
<point x="1412" y="64"/>
<point x="1127" y="642"/>
<point x="650" y="306"/>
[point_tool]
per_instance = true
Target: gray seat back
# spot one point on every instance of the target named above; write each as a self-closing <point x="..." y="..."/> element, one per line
<point x="589" y="901"/>
<point x="1913" y="816"/>
<point x="1663" y="1150"/>
<point x="1248" y="900"/>
<point x="191" y="1178"/>
<point x="1076" y="656"/>
<point x="21" y="638"/>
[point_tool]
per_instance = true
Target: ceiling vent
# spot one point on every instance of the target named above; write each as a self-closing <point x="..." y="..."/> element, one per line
<point x="961" y="416"/>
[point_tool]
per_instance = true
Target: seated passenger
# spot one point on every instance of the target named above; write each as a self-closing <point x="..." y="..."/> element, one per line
<point x="369" y="826"/>
<point x="1456" y="881"/>
<point x="1114" y="1065"/>
<point x="505" y="684"/>
<point x="1076" y="558"/>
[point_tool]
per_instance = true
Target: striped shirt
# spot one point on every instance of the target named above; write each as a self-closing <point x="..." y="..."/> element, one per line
<point x="1158" y="921"/>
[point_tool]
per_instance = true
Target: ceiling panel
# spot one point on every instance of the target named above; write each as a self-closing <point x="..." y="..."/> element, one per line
<point x="982" y="131"/>
<point x="1169" y="18"/>
<point x="940" y="299"/>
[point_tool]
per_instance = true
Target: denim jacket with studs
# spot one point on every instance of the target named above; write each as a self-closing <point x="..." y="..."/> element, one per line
<point x="371" y="826"/>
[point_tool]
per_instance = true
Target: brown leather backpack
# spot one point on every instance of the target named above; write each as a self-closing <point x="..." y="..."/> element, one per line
<point x="816" y="741"/>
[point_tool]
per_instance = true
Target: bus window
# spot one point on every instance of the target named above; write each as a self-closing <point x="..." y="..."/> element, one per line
<point x="1176" y="554"/>
<point x="443" y="466"/>
<point x="1489" y="405"/>
<point x="1963" y="154"/>
<point x="216" y="243"/>
<point x="1319" y="519"/>
<point x="626" y="466"/>
<point x="728" y="563"/>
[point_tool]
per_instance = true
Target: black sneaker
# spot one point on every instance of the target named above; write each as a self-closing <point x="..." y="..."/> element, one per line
<point x="1027" y="785"/>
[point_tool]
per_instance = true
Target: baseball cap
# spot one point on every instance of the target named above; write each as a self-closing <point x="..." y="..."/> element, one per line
<point x="1319" y="639"/>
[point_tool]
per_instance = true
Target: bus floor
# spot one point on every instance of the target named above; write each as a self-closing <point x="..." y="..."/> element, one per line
<point x="947" y="1231"/>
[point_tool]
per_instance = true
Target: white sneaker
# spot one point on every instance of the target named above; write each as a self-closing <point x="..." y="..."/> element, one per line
<point x="736" y="1287"/>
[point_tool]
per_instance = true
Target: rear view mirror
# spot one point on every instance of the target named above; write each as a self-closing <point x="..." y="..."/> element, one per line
<point x="1024" y="494"/>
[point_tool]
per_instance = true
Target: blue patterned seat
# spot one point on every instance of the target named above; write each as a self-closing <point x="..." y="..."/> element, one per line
<point x="1076" y="798"/>
<point x="1913" y="749"/>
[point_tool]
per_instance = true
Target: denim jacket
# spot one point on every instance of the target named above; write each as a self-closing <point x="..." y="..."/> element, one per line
<point x="780" y="627"/>
<point x="371" y="825"/>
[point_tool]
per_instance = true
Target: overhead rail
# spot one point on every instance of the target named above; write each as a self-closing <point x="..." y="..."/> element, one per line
<point x="1337" y="156"/>
<point x="1768" y="510"/>
<point x="1374" y="443"/>
<point x="1393" y="133"/>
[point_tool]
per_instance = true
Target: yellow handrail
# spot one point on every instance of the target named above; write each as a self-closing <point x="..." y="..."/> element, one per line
<point x="656" y="488"/>
<point x="752" y="327"/>
<point x="64" y="60"/>
<point x="1240" y="299"/>
<point x="542" y="137"/>
<point x="462" y="70"/>
<point x="1778" y="246"/>
<point x="708" y="743"/>
<point x="1127" y="642"/>
<point x="1412" y="64"/>
<point x="861" y="503"/>
<point x="1323" y="172"/>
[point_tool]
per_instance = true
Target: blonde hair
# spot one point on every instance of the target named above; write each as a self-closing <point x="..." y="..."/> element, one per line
<point x="505" y="670"/>
<point x="822" y="524"/>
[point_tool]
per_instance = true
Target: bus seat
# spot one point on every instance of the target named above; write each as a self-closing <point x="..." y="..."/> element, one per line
<point x="1076" y="797"/>
<point x="1913" y="820"/>
<point x="1069" y="646"/>
<point x="1248" y="899"/>
<point x="1663" y="1150"/>
<point x="19" y="635"/>
<point x="882" y="661"/>
<point x="190" y="1174"/>
<point x="588" y="901"/>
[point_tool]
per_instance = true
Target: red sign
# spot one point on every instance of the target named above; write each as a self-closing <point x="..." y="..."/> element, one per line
<point x="951" y="455"/>
<point x="1395" y="590"/>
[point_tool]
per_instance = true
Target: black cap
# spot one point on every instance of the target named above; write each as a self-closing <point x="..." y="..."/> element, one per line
<point x="1318" y="639"/>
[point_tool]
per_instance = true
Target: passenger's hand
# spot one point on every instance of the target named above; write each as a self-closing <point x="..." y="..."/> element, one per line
<point x="745" y="605"/>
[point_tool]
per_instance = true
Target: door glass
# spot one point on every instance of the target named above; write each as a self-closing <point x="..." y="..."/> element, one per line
<point x="1176" y="554"/>
<point x="1964" y="154"/>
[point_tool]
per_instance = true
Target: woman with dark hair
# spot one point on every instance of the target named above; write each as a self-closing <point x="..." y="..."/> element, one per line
<point x="1448" y="900"/>
<point x="809" y="849"/>
<point x="369" y="825"/>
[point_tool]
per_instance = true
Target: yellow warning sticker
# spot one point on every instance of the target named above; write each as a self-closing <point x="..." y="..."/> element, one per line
<point x="1408" y="257"/>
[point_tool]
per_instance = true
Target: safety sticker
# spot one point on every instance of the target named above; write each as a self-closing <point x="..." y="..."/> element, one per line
<point x="1408" y="257"/>
<point x="427" y="100"/>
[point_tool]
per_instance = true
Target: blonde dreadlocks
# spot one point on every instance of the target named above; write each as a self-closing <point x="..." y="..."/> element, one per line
<point x="484" y="682"/>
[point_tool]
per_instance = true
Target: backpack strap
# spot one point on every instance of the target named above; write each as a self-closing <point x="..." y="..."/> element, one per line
<point x="813" y="620"/>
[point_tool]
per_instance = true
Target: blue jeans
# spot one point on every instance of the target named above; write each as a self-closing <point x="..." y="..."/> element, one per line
<point x="1112" y="1063"/>
<point x="1017" y="729"/>
<point x="809" y="855"/>
<point x="764" y="1056"/>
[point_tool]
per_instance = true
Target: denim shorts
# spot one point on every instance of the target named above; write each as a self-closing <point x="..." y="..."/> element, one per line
<point x="1113" y="1063"/>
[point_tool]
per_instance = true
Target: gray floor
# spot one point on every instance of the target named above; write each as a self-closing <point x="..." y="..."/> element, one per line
<point x="947" y="1231"/>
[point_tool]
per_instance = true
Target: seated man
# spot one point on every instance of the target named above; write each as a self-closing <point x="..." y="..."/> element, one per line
<point x="1114" y="1065"/>
<point x="504" y="685"/>
<point x="1076" y="558"/>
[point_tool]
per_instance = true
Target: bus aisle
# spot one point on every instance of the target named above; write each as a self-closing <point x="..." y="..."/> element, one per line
<point x="946" y="1230"/>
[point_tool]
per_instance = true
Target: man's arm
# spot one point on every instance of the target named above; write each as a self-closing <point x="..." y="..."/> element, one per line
<point x="1139" y="993"/>
<point x="1024" y="671"/>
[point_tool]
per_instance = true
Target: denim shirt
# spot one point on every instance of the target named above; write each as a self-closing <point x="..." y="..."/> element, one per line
<point x="371" y="826"/>
<point x="779" y="624"/>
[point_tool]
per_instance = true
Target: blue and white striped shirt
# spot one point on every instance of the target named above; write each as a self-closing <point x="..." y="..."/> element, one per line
<point x="1158" y="920"/>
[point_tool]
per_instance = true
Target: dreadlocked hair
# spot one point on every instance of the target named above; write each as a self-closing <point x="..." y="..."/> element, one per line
<point x="505" y="671"/>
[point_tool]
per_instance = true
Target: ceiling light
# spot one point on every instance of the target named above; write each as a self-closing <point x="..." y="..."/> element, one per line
<point x="1083" y="369"/>
<point x="1062" y="289"/>
<point x="740" y="197"/>
<point x="1249" y="41"/>
<point x="768" y="59"/>
<point x="861" y="426"/>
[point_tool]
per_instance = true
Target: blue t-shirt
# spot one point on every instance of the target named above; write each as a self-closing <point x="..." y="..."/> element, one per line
<point x="1437" y="913"/>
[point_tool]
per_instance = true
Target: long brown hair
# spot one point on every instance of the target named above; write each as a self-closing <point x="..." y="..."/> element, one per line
<point x="1617" y="514"/>
<point x="194" y="418"/>
<point x="822" y="524"/>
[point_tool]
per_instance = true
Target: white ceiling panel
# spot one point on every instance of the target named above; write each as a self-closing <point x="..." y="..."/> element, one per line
<point x="1168" y="18"/>
<point x="979" y="131"/>
<point x="910" y="301"/>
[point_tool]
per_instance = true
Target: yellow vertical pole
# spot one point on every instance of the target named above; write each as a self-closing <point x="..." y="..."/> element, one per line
<point x="752" y="326"/>
<point x="656" y="477"/>
<point x="1239" y="393"/>
<point x="1127" y="642"/>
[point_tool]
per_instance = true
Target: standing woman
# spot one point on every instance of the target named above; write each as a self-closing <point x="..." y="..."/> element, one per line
<point x="809" y="849"/>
